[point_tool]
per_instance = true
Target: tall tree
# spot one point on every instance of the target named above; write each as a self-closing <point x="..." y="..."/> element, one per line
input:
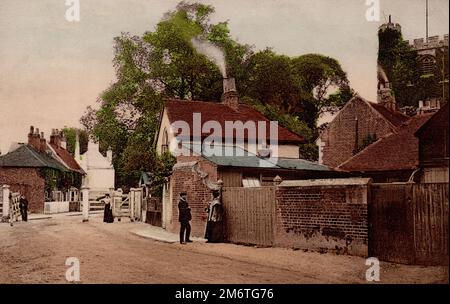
<point x="166" y="63"/>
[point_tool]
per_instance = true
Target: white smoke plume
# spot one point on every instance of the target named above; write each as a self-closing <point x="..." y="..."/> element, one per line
<point x="213" y="52"/>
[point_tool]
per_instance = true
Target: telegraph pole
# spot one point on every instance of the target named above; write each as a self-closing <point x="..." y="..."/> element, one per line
<point x="426" y="18"/>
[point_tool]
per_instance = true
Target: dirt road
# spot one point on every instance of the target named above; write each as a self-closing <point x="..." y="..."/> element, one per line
<point x="35" y="252"/>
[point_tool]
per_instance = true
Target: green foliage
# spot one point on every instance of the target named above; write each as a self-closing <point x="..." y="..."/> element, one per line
<point x="70" y="134"/>
<point x="401" y="64"/>
<point x="164" y="63"/>
<point x="61" y="180"/>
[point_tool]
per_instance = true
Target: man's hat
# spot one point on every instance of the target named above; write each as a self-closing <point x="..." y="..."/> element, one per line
<point x="183" y="193"/>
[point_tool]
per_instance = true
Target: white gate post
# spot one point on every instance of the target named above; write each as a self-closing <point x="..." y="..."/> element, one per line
<point x="131" y="203"/>
<point x="85" y="194"/>
<point x="6" y="192"/>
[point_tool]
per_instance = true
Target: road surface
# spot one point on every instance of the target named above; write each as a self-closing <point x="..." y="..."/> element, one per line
<point x="36" y="252"/>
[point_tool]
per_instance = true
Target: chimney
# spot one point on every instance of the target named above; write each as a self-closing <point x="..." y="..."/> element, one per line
<point x="77" y="146"/>
<point x="34" y="138"/>
<point x="43" y="143"/>
<point x="230" y="96"/>
<point x="55" y="138"/>
<point x="63" y="140"/>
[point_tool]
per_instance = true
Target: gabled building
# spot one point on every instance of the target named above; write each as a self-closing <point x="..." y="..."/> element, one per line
<point x="100" y="173"/>
<point x="240" y="158"/>
<point x="433" y="148"/>
<point x="37" y="169"/>
<point x="393" y="158"/>
<point x="358" y="124"/>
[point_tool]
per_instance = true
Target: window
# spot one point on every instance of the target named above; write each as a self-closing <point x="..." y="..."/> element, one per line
<point x="165" y="142"/>
<point x="250" y="182"/>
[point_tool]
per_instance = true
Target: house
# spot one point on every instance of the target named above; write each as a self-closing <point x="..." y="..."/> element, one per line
<point x="358" y="124"/>
<point x="393" y="158"/>
<point x="210" y="155"/>
<point x="39" y="169"/>
<point x="433" y="148"/>
<point x="100" y="173"/>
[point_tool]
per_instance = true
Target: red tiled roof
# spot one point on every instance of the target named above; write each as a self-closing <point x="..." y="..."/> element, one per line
<point x="397" y="151"/>
<point x="394" y="117"/>
<point x="183" y="110"/>
<point x="67" y="158"/>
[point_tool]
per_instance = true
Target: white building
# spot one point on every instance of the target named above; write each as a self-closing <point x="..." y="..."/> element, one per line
<point x="99" y="169"/>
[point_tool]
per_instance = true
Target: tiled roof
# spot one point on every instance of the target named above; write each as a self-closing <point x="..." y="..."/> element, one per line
<point x="183" y="110"/>
<point x="394" y="117"/>
<point x="67" y="158"/>
<point x="397" y="151"/>
<point x="27" y="156"/>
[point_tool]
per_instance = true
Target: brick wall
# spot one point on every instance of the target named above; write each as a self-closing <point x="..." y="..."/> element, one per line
<point x="340" y="136"/>
<point x="27" y="181"/>
<point x="326" y="218"/>
<point x="184" y="179"/>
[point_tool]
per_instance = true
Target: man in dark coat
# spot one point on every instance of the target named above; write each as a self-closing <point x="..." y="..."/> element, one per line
<point x="23" y="206"/>
<point x="184" y="216"/>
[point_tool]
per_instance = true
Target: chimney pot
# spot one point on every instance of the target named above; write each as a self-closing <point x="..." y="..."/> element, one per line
<point x="230" y="96"/>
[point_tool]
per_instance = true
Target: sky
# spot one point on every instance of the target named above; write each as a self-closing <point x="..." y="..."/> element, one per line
<point x="52" y="69"/>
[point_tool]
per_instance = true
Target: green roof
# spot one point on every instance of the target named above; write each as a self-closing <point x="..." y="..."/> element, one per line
<point x="234" y="156"/>
<point x="29" y="157"/>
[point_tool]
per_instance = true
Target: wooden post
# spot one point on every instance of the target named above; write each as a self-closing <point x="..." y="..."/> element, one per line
<point x="85" y="194"/>
<point x="6" y="192"/>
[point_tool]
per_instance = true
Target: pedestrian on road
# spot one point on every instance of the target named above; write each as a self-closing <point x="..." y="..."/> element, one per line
<point x="214" y="228"/>
<point x="23" y="206"/>
<point x="107" y="213"/>
<point x="184" y="216"/>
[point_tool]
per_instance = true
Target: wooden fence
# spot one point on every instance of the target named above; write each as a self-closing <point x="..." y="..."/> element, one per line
<point x="408" y="223"/>
<point x="249" y="215"/>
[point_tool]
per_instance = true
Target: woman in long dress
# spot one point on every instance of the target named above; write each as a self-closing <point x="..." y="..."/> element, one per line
<point x="214" y="225"/>
<point x="107" y="213"/>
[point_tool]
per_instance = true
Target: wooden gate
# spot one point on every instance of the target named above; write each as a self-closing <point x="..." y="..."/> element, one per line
<point x="430" y="211"/>
<point x="14" y="209"/>
<point x="408" y="223"/>
<point x="249" y="215"/>
<point x="391" y="236"/>
<point x="120" y="204"/>
<point x="135" y="204"/>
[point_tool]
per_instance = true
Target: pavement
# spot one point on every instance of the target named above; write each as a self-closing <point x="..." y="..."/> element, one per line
<point x="161" y="235"/>
<point x="44" y="216"/>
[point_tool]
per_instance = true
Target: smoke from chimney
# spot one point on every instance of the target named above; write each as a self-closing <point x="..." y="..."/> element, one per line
<point x="213" y="52"/>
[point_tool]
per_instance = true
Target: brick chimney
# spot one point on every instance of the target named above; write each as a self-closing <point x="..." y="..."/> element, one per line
<point x="43" y="143"/>
<point x="230" y="96"/>
<point x="55" y="138"/>
<point x="37" y="140"/>
<point x="34" y="138"/>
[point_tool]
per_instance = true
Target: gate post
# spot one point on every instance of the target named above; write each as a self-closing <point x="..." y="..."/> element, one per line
<point x="6" y="192"/>
<point x="85" y="195"/>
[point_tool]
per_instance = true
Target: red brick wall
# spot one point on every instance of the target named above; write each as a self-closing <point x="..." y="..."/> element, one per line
<point x="198" y="195"/>
<point x="340" y="136"/>
<point x="329" y="218"/>
<point x="26" y="181"/>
